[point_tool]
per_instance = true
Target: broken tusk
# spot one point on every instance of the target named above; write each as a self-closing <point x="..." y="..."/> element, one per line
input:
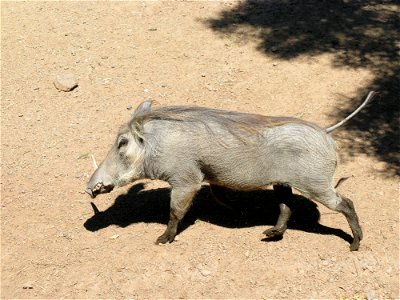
<point x="94" y="162"/>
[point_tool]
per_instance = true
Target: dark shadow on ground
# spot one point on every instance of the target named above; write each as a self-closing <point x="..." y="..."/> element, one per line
<point x="248" y="209"/>
<point x="360" y="34"/>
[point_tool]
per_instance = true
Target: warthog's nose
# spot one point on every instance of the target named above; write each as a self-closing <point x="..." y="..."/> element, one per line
<point x="90" y="192"/>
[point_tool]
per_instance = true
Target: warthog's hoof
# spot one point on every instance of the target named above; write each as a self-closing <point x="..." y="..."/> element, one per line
<point x="274" y="233"/>
<point x="165" y="238"/>
<point x="354" y="245"/>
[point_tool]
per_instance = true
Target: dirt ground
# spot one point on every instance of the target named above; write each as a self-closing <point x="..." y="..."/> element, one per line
<point x="250" y="57"/>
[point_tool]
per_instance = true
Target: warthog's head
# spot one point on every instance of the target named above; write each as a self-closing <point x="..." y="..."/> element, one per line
<point x="124" y="162"/>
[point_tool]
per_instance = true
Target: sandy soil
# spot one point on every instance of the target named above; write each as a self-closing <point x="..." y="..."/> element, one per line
<point x="239" y="56"/>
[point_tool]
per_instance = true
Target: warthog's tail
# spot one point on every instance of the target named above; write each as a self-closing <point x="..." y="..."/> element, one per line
<point x="369" y="98"/>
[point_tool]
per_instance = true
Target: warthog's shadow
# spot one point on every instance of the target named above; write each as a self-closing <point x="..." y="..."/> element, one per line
<point x="248" y="209"/>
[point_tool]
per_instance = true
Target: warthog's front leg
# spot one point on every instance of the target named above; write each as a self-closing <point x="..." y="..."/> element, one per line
<point x="181" y="199"/>
<point x="285" y="196"/>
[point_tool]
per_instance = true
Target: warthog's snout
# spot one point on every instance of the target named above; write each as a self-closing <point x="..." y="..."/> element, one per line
<point x="96" y="184"/>
<point x="98" y="188"/>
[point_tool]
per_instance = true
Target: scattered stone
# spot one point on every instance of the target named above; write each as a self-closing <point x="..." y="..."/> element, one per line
<point x="104" y="57"/>
<point x="65" y="235"/>
<point x="27" y="286"/>
<point x="274" y="49"/>
<point x="275" y="64"/>
<point x="146" y="90"/>
<point x="129" y="107"/>
<point x="380" y="166"/>
<point x="152" y="29"/>
<point x="65" y="82"/>
<point x="371" y="295"/>
<point x="203" y="271"/>
<point x="325" y="263"/>
<point x="114" y="237"/>
<point x="203" y="75"/>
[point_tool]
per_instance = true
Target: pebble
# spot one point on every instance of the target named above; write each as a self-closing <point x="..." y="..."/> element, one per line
<point x="114" y="237"/>
<point x="370" y="295"/>
<point x="129" y="107"/>
<point x="65" y="82"/>
<point x="203" y="271"/>
<point x="27" y="286"/>
<point x="380" y="166"/>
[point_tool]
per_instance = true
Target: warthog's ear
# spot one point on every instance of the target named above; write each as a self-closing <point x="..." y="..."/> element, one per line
<point x="136" y="123"/>
<point x="142" y="109"/>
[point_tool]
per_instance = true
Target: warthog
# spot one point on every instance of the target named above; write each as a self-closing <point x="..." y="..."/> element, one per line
<point x="187" y="146"/>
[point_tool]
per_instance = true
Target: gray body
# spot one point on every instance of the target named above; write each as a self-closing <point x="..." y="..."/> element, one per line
<point x="298" y="154"/>
<point x="187" y="146"/>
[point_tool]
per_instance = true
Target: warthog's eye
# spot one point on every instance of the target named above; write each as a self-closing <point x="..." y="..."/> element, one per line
<point x="122" y="141"/>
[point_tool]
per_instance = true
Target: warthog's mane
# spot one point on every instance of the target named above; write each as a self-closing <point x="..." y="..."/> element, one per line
<point x="235" y="123"/>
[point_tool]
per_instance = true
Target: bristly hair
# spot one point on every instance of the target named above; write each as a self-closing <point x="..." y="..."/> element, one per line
<point x="234" y="122"/>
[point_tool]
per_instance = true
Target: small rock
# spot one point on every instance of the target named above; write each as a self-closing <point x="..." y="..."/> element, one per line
<point x="380" y="166"/>
<point x="275" y="64"/>
<point x="371" y="295"/>
<point x="146" y="90"/>
<point x="114" y="237"/>
<point x="203" y="75"/>
<point x="129" y="107"/>
<point x="274" y="49"/>
<point x="27" y="286"/>
<point x="202" y="270"/>
<point x="65" y="82"/>
<point x="152" y="29"/>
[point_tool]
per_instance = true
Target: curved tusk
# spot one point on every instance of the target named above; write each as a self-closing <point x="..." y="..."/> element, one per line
<point x="94" y="162"/>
